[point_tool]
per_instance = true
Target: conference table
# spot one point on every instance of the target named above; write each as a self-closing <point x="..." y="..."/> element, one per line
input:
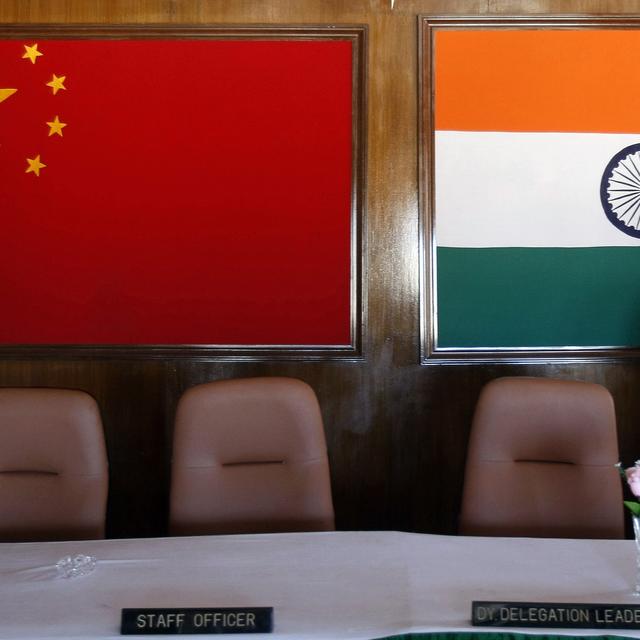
<point x="334" y="585"/>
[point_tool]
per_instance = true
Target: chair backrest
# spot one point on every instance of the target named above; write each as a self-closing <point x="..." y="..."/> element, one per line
<point x="53" y="465"/>
<point x="249" y="455"/>
<point x="540" y="462"/>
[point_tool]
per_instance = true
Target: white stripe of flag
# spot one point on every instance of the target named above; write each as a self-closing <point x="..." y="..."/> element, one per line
<point x="502" y="189"/>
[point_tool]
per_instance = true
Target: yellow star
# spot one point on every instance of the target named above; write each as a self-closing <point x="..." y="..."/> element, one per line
<point x="5" y="93"/>
<point x="56" y="83"/>
<point x="32" y="52"/>
<point x="35" y="165"/>
<point x="56" y="126"/>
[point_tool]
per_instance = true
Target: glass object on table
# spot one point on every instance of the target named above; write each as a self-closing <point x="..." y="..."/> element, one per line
<point x="636" y="533"/>
<point x="75" y="566"/>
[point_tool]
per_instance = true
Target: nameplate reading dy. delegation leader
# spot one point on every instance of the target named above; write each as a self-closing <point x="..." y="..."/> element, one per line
<point x="555" y="615"/>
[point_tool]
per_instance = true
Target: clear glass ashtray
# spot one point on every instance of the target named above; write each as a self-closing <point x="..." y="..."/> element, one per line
<point x="75" y="566"/>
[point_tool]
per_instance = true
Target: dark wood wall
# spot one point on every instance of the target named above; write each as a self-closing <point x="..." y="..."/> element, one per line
<point x="396" y="431"/>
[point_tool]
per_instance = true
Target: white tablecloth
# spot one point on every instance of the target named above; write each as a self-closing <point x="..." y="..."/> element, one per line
<point x="322" y="585"/>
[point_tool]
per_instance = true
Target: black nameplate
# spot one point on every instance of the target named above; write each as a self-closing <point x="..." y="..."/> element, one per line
<point x="203" y="620"/>
<point x="555" y="615"/>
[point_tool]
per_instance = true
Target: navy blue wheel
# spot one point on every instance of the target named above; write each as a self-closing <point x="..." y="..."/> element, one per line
<point x="620" y="190"/>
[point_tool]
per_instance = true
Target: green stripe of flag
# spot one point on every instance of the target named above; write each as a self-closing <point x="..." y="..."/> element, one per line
<point x="538" y="297"/>
<point x="493" y="636"/>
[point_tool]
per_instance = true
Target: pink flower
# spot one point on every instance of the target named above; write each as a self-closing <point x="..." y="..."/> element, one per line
<point x="633" y="480"/>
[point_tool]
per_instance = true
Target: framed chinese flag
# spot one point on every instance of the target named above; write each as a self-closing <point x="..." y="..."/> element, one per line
<point x="178" y="190"/>
<point x="530" y="149"/>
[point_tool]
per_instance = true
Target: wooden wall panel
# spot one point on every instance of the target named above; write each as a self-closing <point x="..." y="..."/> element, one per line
<point x="397" y="431"/>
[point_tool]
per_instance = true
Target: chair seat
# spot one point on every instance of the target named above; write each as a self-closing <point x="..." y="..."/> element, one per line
<point x="541" y="462"/>
<point x="53" y="465"/>
<point x="249" y="456"/>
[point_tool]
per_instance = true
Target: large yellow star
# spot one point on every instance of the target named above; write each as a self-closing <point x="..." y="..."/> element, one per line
<point x="56" y="126"/>
<point x="5" y="93"/>
<point x="35" y="165"/>
<point x="57" y="83"/>
<point x="31" y="53"/>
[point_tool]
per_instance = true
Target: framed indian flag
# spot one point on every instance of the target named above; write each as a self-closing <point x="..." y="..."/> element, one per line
<point x="182" y="190"/>
<point x="530" y="188"/>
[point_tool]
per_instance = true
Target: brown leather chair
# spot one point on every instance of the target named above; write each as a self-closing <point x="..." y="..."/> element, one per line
<point x="249" y="455"/>
<point x="541" y="462"/>
<point x="53" y="466"/>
